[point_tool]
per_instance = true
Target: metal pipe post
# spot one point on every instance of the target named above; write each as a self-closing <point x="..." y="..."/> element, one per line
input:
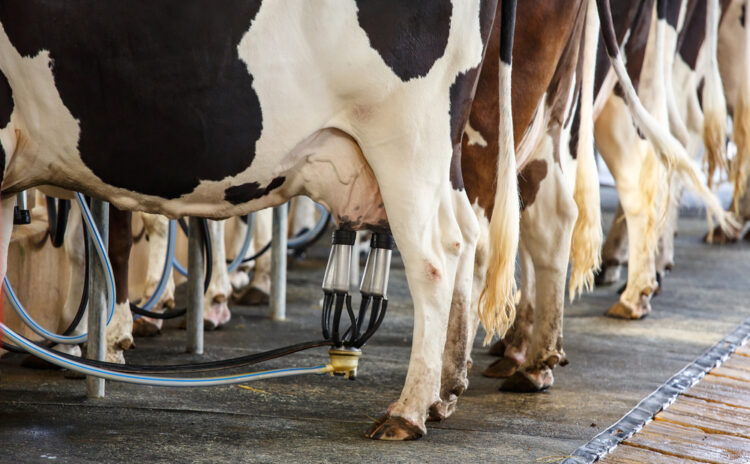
<point x="278" y="262"/>
<point x="355" y="261"/>
<point x="194" y="316"/>
<point x="97" y="310"/>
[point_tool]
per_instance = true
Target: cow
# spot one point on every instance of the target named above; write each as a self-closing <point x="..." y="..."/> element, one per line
<point x="694" y="63"/>
<point x="556" y="175"/>
<point x="227" y="238"/>
<point x="734" y="64"/>
<point x="645" y="188"/>
<point x="60" y="310"/>
<point x="534" y="344"/>
<point x="180" y="108"/>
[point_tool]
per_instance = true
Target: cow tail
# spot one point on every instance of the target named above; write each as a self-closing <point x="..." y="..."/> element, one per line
<point x="669" y="150"/>
<point x="585" y="245"/>
<point x="497" y="300"/>
<point x="714" y="103"/>
<point x="741" y="129"/>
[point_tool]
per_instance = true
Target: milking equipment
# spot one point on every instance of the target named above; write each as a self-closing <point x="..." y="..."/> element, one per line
<point x="21" y="213"/>
<point x="344" y="345"/>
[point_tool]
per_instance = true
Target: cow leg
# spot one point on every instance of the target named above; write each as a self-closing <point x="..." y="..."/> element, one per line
<point x="120" y="329"/>
<point x="462" y="324"/>
<point x="260" y="286"/>
<point x="235" y="230"/>
<point x="614" y="250"/>
<point x="629" y="158"/>
<point x="546" y="230"/>
<point x="157" y="230"/>
<point x="665" y="251"/>
<point x="216" y="309"/>
<point x="6" y="229"/>
<point x="514" y="347"/>
<point x="303" y="215"/>
<point x="425" y="225"/>
<point x="76" y="253"/>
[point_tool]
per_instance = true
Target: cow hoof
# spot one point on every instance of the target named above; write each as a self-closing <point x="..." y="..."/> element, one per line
<point x="442" y="409"/>
<point x="497" y="349"/>
<point x="216" y="316"/>
<point x="251" y="296"/>
<point x="239" y="280"/>
<point x="502" y="368"/>
<point x="607" y="275"/>
<point x="32" y="362"/>
<point x="146" y="327"/>
<point x="719" y="237"/>
<point x="394" y="428"/>
<point x="528" y="381"/>
<point x="621" y="311"/>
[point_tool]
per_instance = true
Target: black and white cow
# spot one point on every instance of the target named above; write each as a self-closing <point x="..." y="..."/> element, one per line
<point x="182" y="108"/>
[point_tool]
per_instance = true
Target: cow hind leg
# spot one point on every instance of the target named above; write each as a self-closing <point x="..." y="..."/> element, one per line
<point x="546" y="228"/>
<point x="425" y="225"/>
<point x="637" y="176"/>
<point x="463" y="321"/>
<point x="514" y="347"/>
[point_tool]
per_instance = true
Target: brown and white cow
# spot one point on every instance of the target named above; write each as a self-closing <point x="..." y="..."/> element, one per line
<point x="694" y="66"/>
<point x="557" y="179"/>
<point x="645" y="177"/>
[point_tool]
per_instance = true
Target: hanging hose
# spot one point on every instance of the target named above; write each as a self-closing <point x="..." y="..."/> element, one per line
<point x="237" y="261"/>
<point x="81" y="306"/>
<point x="109" y="281"/>
<point x="166" y="273"/>
<point x="170" y="261"/>
<point x="299" y="242"/>
<point x="209" y="251"/>
<point x="57" y="216"/>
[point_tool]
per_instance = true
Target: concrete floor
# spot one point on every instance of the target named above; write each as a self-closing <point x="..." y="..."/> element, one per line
<point x="613" y="364"/>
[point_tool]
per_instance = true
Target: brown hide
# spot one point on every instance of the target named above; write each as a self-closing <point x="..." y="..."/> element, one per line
<point x="543" y="29"/>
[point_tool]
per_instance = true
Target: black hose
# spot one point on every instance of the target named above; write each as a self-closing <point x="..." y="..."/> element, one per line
<point x="298" y="247"/>
<point x="57" y="216"/>
<point x="210" y="366"/>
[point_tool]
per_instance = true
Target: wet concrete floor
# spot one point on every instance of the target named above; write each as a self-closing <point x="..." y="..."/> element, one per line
<point x="613" y="364"/>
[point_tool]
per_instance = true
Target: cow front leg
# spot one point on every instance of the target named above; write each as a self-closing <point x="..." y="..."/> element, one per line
<point x="259" y="289"/>
<point x="216" y="307"/>
<point x="120" y="328"/>
<point x="463" y="319"/>
<point x="6" y="229"/>
<point x="428" y="236"/>
<point x="546" y="230"/>
<point x="157" y="233"/>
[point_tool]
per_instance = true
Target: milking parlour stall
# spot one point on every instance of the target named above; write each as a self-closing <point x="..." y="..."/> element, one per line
<point x="307" y="230"/>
